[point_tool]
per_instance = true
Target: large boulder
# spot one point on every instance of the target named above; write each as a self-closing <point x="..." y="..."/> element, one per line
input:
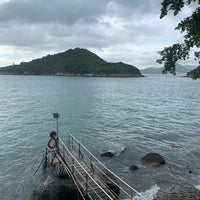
<point x="107" y="154"/>
<point x="154" y="159"/>
<point x="54" y="188"/>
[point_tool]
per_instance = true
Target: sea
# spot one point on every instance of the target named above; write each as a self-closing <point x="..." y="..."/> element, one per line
<point x="155" y="113"/>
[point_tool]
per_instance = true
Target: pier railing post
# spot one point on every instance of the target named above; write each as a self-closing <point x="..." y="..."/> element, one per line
<point x="131" y="194"/>
<point x="91" y="164"/>
<point x="72" y="142"/>
<point x="45" y="159"/>
<point x="69" y="142"/>
<point x="79" y="150"/>
<point x="86" y="184"/>
<point x="72" y="166"/>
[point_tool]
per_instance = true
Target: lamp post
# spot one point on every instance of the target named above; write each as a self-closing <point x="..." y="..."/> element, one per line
<point x="56" y="116"/>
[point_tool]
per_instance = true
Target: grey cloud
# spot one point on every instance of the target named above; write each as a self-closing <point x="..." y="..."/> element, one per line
<point x="129" y="8"/>
<point x="55" y="36"/>
<point x="53" y="23"/>
<point x="140" y="5"/>
<point x="58" y="11"/>
<point x="56" y="25"/>
<point x="25" y="35"/>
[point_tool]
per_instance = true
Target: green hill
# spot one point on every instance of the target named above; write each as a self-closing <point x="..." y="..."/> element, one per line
<point x="72" y="62"/>
<point x="195" y="73"/>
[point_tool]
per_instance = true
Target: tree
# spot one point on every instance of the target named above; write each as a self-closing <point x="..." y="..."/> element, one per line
<point x="190" y="27"/>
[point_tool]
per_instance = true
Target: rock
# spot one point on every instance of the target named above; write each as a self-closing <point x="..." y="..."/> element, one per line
<point x="107" y="154"/>
<point x="115" y="151"/>
<point x="181" y="192"/>
<point x="118" y="150"/>
<point x="133" y="167"/>
<point x="114" y="188"/>
<point x="54" y="188"/>
<point x="153" y="158"/>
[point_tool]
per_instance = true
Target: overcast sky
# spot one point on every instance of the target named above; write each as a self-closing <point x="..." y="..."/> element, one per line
<point x="117" y="30"/>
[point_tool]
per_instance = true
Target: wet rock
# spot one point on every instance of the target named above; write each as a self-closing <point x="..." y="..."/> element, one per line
<point x="154" y="159"/>
<point x="115" y="151"/>
<point x="107" y="154"/>
<point x="114" y="188"/>
<point x="181" y="192"/>
<point x="106" y="176"/>
<point x="54" y="188"/>
<point x="133" y="167"/>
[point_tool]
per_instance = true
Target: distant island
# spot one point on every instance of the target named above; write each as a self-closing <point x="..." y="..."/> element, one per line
<point x="73" y="62"/>
<point x="182" y="69"/>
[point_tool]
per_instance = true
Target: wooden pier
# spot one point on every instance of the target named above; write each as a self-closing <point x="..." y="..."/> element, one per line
<point x="93" y="180"/>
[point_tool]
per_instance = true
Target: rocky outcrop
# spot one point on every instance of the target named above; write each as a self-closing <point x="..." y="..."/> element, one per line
<point x="153" y="159"/>
<point x="54" y="188"/>
<point x="181" y="192"/>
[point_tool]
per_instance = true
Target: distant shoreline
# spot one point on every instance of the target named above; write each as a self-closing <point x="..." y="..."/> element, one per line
<point x="81" y="75"/>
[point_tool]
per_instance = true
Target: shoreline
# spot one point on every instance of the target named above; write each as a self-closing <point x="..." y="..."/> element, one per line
<point x="80" y="75"/>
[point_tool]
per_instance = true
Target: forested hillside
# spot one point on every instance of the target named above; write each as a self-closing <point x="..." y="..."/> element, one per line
<point x="72" y="62"/>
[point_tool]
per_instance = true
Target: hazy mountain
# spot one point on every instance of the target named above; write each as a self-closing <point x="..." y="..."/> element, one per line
<point x="152" y="70"/>
<point x="190" y="67"/>
<point x="179" y="69"/>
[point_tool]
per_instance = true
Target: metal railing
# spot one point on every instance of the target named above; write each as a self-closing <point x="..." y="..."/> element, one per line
<point x="98" y="172"/>
<point x="83" y="179"/>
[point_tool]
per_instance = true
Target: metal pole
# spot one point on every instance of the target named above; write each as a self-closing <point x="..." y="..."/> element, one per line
<point x="57" y="127"/>
<point x="56" y="116"/>
<point x="57" y="148"/>
<point x="79" y="150"/>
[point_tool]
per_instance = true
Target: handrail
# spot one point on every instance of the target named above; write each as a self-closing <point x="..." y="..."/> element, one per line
<point x="65" y="167"/>
<point x="103" y="173"/>
<point x="73" y="141"/>
<point x="99" y="186"/>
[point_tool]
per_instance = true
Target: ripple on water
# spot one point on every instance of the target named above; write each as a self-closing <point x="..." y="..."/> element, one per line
<point x="153" y="114"/>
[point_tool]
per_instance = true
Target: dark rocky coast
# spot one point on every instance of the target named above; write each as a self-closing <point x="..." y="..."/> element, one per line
<point x="55" y="188"/>
<point x="179" y="192"/>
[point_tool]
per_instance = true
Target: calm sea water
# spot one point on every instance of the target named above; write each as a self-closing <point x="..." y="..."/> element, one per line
<point x="152" y="114"/>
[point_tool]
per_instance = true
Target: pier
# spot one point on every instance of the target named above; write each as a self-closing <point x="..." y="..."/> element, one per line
<point x="92" y="178"/>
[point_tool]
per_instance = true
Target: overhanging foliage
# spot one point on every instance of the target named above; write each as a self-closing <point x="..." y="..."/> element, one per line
<point x="190" y="27"/>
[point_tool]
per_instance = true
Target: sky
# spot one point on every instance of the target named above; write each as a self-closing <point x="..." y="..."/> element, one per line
<point x="129" y="31"/>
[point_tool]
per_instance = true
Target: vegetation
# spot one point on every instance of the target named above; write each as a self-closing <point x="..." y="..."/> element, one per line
<point x="72" y="62"/>
<point x="190" y="26"/>
<point x="194" y="73"/>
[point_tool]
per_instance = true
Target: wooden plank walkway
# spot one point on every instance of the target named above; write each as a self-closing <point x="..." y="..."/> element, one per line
<point x="90" y="175"/>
